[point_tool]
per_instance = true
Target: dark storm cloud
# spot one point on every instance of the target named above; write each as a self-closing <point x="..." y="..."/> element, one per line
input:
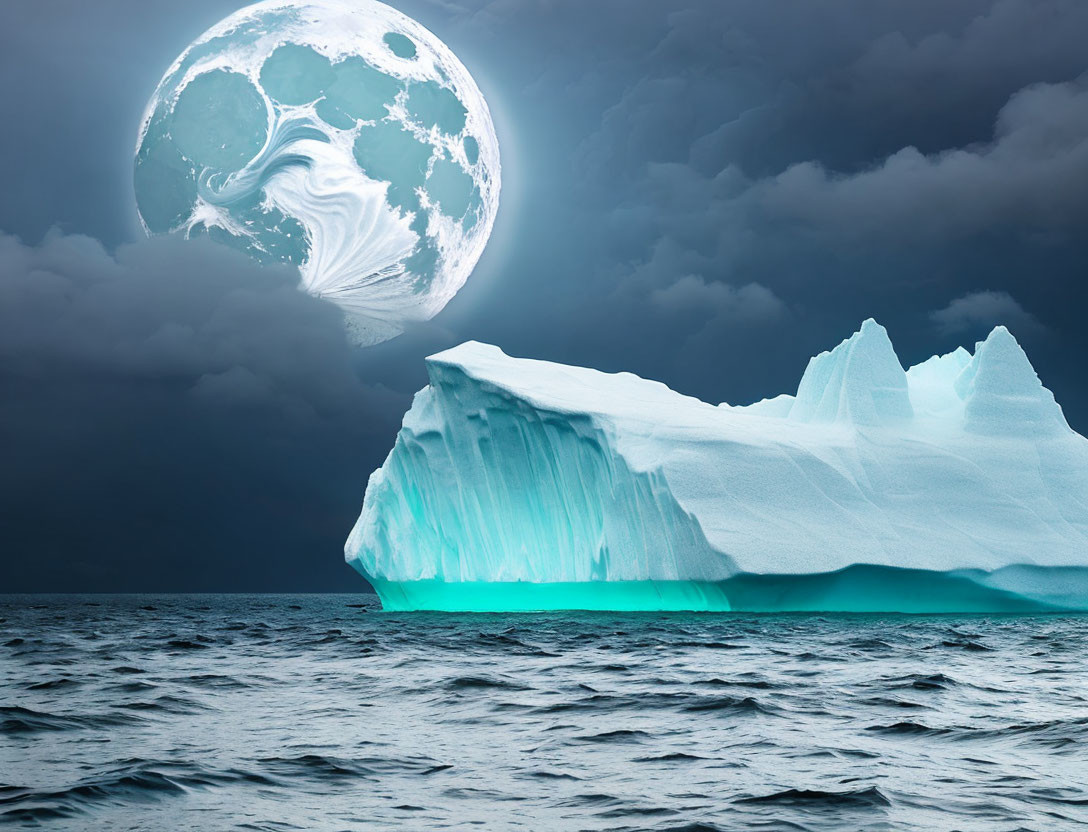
<point x="860" y="133"/>
<point x="706" y="192"/>
<point x="979" y="312"/>
<point x="165" y="308"/>
<point x="1029" y="179"/>
<point x="692" y="293"/>
<point x="183" y="419"/>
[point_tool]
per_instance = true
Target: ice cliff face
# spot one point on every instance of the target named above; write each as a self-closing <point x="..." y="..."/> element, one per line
<point x="523" y="474"/>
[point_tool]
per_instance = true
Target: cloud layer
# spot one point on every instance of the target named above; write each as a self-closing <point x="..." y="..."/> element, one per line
<point x="979" y="312"/>
<point x="182" y="418"/>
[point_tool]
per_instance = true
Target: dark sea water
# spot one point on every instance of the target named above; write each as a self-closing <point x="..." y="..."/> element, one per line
<point x="322" y="712"/>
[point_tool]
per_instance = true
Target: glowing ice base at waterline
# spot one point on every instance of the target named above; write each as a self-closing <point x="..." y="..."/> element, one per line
<point x="955" y="486"/>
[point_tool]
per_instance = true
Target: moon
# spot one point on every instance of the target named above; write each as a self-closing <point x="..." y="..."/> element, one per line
<point x="340" y="136"/>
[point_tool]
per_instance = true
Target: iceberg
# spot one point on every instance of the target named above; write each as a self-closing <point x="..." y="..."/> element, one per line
<point x="517" y="484"/>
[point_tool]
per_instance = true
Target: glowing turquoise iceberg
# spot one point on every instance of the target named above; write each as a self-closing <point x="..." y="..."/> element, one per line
<point x="516" y="484"/>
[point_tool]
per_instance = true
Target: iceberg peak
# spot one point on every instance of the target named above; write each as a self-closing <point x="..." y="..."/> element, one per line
<point x="860" y="382"/>
<point x="1003" y="393"/>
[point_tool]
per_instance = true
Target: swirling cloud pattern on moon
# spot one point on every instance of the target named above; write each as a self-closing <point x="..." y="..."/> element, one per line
<point x="337" y="135"/>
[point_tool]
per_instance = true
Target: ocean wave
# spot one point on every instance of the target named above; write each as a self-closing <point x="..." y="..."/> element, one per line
<point x="329" y="715"/>
<point x="137" y="781"/>
<point x="866" y="797"/>
<point x="15" y="719"/>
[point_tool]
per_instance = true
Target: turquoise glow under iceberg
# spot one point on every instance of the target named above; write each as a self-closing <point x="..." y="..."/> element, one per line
<point x="854" y="589"/>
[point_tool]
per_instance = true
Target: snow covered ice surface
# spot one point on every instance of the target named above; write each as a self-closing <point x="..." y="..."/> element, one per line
<point x="516" y="484"/>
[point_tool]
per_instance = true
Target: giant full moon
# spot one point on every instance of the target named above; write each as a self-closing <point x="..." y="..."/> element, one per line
<point x="336" y="135"/>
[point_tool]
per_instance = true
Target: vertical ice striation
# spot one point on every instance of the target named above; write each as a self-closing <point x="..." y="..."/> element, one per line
<point x="519" y="484"/>
<point x="485" y="484"/>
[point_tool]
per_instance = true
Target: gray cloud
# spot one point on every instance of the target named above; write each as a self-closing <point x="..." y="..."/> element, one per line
<point x="182" y="408"/>
<point x="1029" y="178"/>
<point x="978" y="312"/>
<point x="692" y="293"/>
<point x="170" y="308"/>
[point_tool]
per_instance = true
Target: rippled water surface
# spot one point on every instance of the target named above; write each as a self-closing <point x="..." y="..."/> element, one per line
<point x="322" y="712"/>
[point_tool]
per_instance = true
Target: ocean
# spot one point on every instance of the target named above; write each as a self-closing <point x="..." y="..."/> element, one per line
<point x="321" y="712"/>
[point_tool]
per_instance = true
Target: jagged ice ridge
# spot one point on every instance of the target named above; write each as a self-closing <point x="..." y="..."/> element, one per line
<point x="956" y="485"/>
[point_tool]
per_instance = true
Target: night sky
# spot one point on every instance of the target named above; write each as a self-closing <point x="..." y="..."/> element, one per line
<point x="704" y="193"/>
